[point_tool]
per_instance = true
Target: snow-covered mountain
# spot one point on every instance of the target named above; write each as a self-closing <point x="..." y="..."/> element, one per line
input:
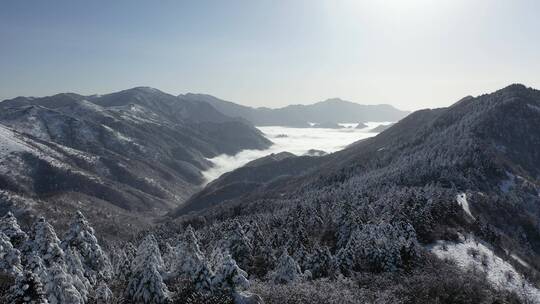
<point x="442" y="207"/>
<point x="328" y="112"/>
<point x="460" y="183"/>
<point x="138" y="151"/>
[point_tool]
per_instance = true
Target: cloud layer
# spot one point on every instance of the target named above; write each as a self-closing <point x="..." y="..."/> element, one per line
<point x="295" y="140"/>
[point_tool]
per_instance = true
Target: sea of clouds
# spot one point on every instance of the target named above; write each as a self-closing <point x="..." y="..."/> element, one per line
<point x="294" y="140"/>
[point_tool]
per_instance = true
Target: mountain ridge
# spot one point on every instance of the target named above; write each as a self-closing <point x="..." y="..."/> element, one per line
<point x="133" y="152"/>
<point x="332" y="110"/>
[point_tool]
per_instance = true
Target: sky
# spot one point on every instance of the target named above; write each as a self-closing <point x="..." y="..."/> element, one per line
<point x="409" y="53"/>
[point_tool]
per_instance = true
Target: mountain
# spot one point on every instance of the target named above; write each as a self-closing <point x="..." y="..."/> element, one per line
<point x="442" y="207"/>
<point x="380" y="128"/>
<point x="252" y="177"/>
<point x="331" y="111"/>
<point x="439" y="192"/>
<point x="116" y="156"/>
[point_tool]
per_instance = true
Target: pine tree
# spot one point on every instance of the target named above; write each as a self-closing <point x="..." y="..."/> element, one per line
<point x="34" y="264"/>
<point x="146" y="283"/>
<point x="230" y="276"/>
<point x="10" y="227"/>
<point x="10" y="258"/>
<point x="240" y="247"/>
<point x="28" y="289"/>
<point x="45" y="243"/>
<point x="191" y="263"/>
<point x="122" y="258"/>
<point x="76" y="269"/>
<point x="287" y="270"/>
<point x="81" y="237"/>
<point x="320" y="263"/>
<point x="349" y="221"/>
<point x="104" y="294"/>
<point x="148" y="252"/>
<point x="59" y="287"/>
<point x="202" y="277"/>
<point x="169" y="255"/>
<point x="146" y="286"/>
<point x="263" y="255"/>
<point x="188" y="254"/>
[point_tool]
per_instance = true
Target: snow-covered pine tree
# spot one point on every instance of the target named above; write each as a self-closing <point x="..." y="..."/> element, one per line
<point x="190" y="262"/>
<point x="230" y="276"/>
<point x="347" y="256"/>
<point x="287" y="270"/>
<point x="27" y="289"/>
<point x="10" y="227"/>
<point x="104" y="294"/>
<point x="147" y="286"/>
<point x="320" y="263"/>
<point x="146" y="283"/>
<point x="44" y="241"/>
<point x="34" y="264"/>
<point x="76" y="269"/>
<point x="240" y="247"/>
<point x="10" y="258"/>
<point x="148" y="252"/>
<point x="216" y="258"/>
<point x="349" y="221"/>
<point x="122" y="258"/>
<point x="169" y="255"/>
<point x="202" y="277"/>
<point x="59" y="287"/>
<point x="263" y="255"/>
<point x="81" y="237"/>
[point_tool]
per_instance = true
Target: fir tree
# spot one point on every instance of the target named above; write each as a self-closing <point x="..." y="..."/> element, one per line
<point x="76" y="269"/>
<point x="320" y="263"/>
<point x="10" y="258"/>
<point x="146" y="286"/>
<point x="148" y="252"/>
<point x="45" y="243"/>
<point x="81" y="237"/>
<point x="104" y="294"/>
<point x="122" y="258"/>
<point x="146" y="283"/>
<point x="28" y="289"/>
<point x="239" y="246"/>
<point x="287" y="270"/>
<point x="191" y="263"/>
<point x="230" y="276"/>
<point x="59" y="287"/>
<point x="263" y="255"/>
<point x="10" y="227"/>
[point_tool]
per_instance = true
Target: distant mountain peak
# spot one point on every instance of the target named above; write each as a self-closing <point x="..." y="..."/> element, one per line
<point x="515" y="87"/>
<point x="334" y="99"/>
<point x="144" y="90"/>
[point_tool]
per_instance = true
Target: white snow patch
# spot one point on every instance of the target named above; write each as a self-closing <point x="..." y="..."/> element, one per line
<point x="462" y="201"/>
<point x="519" y="260"/>
<point x="117" y="134"/>
<point x="9" y="142"/>
<point x="498" y="272"/>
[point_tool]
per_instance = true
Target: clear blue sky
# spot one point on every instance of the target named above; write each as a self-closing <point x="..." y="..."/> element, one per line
<point x="412" y="54"/>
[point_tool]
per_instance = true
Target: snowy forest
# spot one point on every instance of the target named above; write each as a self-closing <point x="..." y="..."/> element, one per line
<point x="294" y="256"/>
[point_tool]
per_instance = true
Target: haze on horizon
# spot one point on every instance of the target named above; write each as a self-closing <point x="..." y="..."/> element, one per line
<point x="411" y="54"/>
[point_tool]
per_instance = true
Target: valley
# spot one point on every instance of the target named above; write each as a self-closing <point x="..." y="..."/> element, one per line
<point x="299" y="141"/>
